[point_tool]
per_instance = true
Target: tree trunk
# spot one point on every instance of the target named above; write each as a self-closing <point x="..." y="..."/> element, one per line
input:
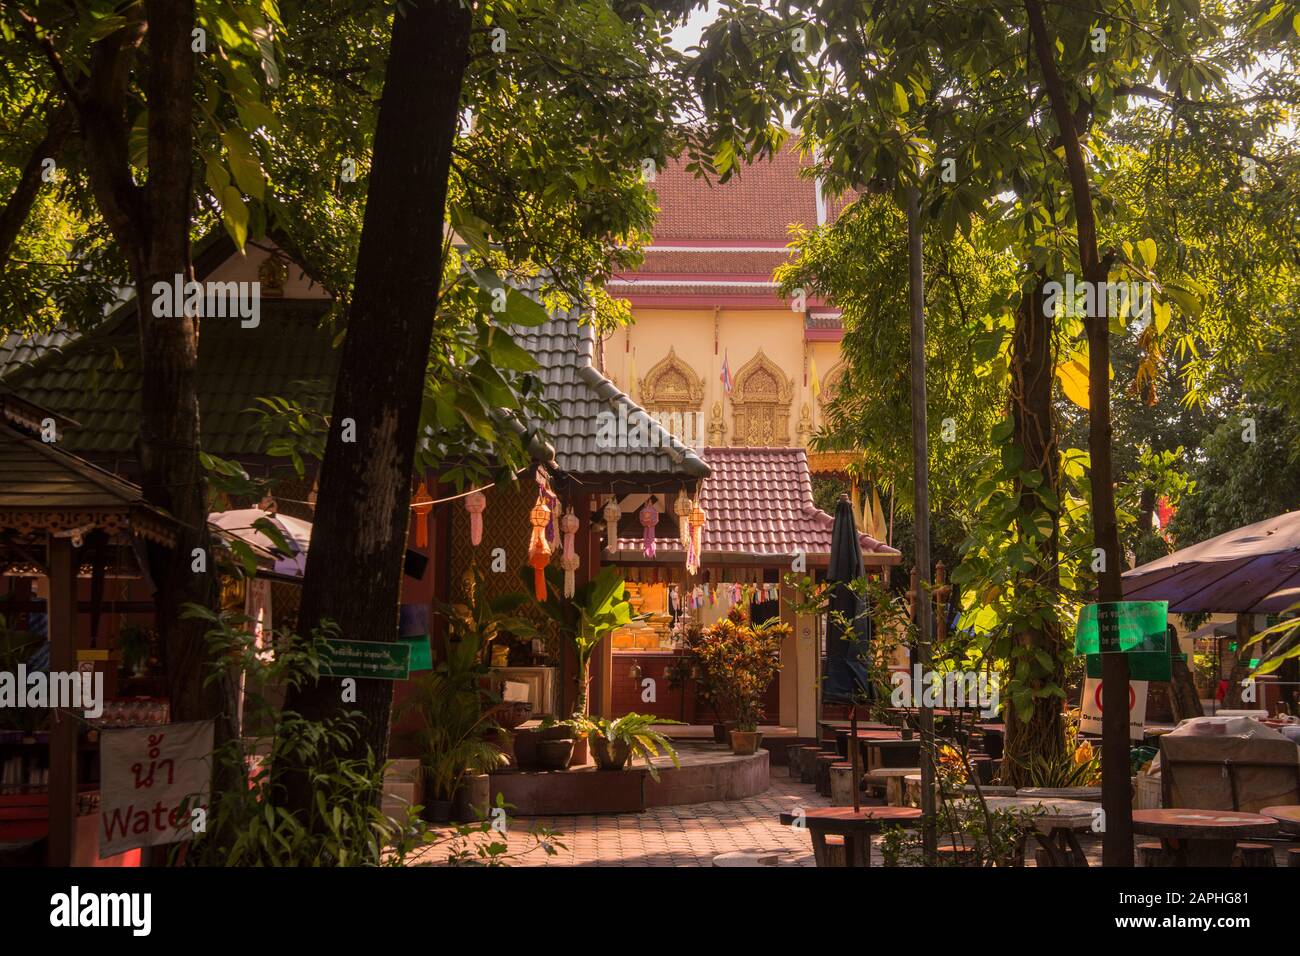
<point x="171" y="476"/>
<point x="354" y="566"/>
<point x="1033" y="370"/>
<point x="1116" y="788"/>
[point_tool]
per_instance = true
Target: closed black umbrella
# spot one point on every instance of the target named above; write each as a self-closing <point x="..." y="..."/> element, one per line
<point x="846" y="678"/>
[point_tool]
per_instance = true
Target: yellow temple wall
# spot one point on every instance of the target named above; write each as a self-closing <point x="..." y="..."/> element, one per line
<point x="636" y="350"/>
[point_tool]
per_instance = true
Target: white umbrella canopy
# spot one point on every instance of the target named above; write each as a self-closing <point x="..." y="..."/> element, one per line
<point x="1254" y="569"/>
<point x="295" y="531"/>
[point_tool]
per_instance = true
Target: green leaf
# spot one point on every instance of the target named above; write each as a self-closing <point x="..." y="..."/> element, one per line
<point x="244" y="164"/>
<point x="900" y="97"/>
<point x="1147" y="249"/>
<point x="234" y="215"/>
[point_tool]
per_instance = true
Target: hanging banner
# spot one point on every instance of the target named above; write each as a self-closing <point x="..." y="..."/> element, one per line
<point x="152" y="780"/>
<point x="1090" y="723"/>
<point x="1122" y="627"/>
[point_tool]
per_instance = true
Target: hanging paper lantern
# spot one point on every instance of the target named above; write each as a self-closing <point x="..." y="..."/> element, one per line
<point x="649" y="516"/>
<point x="682" y="508"/>
<point x="539" y="549"/>
<point x="569" y="562"/>
<point x="421" y="505"/>
<point x="612" y="514"/>
<point x="693" y="548"/>
<point x="476" y="504"/>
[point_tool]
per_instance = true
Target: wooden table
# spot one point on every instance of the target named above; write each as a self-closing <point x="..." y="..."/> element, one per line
<point x="892" y="780"/>
<point x="842" y="738"/>
<point x="855" y="826"/>
<point x="1054" y="824"/>
<point x="1202" y="837"/>
<point x="891" y="752"/>
<point x="1288" y="818"/>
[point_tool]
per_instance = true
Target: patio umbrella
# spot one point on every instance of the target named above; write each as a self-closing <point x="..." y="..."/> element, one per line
<point x="1254" y="569"/>
<point x="295" y="531"/>
<point x="846" y="677"/>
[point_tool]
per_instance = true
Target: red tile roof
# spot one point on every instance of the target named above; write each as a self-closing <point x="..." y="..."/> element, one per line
<point x="737" y="230"/>
<point x="759" y="203"/>
<point x="760" y="502"/>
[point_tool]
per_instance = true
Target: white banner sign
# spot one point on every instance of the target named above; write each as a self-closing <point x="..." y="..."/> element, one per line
<point x="152" y="780"/>
<point x="1137" y="707"/>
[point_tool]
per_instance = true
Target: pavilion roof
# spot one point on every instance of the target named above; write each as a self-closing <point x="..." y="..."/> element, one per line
<point x="45" y="488"/>
<point x="759" y="505"/>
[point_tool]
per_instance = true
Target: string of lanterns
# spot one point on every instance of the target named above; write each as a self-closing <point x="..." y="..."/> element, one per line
<point x="552" y="532"/>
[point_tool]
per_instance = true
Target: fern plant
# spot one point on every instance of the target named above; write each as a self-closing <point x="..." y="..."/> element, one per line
<point x="637" y="733"/>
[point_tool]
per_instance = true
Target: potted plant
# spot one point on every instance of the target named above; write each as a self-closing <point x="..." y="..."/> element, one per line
<point x="615" y="742"/>
<point x="741" y="660"/>
<point x="455" y="721"/>
<point x="597" y="608"/>
<point x="555" y="743"/>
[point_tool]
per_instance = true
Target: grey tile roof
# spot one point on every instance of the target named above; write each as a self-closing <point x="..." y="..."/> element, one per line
<point x="588" y="442"/>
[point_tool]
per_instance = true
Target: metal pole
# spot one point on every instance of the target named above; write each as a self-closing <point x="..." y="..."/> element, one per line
<point x="921" y="506"/>
<point x="62" y="610"/>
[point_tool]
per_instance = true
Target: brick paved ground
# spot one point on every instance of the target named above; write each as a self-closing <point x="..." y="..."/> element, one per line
<point x="692" y="835"/>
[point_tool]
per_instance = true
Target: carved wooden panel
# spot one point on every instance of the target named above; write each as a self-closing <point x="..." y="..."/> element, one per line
<point x="760" y="404"/>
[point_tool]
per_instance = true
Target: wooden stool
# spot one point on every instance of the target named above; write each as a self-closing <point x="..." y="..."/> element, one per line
<point x="835" y="850"/>
<point x="954" y="854"/>
<point x="807" y="762"/>
<point x="822" y="772"/>
<point x="1253" y="855"/>
<point x="891" y="779"/>
<point x="1153" y="854"/>
<point x="843" y="784"/>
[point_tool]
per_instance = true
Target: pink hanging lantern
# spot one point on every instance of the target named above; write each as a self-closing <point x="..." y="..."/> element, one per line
<point x="569" y="525"/>
<point x="649" y="516"/>
<point x="612" y="514"/>
<point x="693" y="549"/>
<point x="476" y="504"/>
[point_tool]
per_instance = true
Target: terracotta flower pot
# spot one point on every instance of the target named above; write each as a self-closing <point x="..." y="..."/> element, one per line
<point x="610" y="755"/>
<point x="745" y="742"/>
<point x="554" y="754"/>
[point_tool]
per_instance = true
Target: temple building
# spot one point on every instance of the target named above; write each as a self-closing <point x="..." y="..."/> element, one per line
<point x="715" y="352"/>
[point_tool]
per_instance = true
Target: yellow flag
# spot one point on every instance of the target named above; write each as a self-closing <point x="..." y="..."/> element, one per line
<point x="815" y="383"/>
<point x="631" y="376"/>
<point x="878" y="517"/>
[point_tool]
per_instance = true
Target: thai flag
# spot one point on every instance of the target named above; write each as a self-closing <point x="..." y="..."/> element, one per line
<point x="725" y="376"/>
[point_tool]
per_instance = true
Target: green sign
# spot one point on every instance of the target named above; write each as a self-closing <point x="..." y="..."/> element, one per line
<point x="421" y="652"/>
<point x="1122" y="627"/>
<point x="1152" y="666"/>
<point x="373" y="659"/>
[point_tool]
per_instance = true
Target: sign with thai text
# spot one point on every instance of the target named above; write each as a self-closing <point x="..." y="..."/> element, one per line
<point x="155" y="785"/>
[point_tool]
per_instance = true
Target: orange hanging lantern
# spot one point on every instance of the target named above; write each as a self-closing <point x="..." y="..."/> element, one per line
<point x="421" y="505"/>
<point x="539" y="549"/>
